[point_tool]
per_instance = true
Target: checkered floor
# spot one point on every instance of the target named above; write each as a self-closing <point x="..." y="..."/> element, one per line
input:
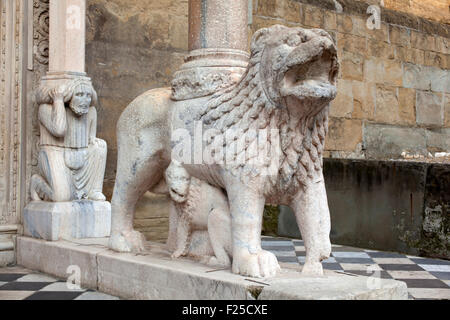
<point x="426" y="278"/>
<point x="22" y="284"/>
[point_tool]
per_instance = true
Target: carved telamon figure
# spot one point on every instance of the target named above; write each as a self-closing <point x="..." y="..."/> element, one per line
<point x="71" y="159"/>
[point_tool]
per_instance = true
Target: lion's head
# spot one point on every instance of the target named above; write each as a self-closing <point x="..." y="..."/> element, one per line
<point x="289" y="84"/>
<point x="298" y="67"/>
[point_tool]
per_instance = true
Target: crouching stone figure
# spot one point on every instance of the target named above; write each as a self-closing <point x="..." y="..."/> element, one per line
<point x="71" y="159"/>
<point x="201" y="221"/>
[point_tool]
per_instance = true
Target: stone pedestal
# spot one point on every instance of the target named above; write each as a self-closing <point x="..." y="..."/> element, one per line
<point x="67" y="220"/>
<point x="154" y="275"/>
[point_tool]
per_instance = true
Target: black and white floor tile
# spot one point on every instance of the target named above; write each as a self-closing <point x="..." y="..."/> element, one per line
<point x="22" y="284"/>
<point x="425" y="278"/>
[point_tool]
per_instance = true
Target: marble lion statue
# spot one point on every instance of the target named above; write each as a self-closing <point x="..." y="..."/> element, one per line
<point x="285" y="92"/>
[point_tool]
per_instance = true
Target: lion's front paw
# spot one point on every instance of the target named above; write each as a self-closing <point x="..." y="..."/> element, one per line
<point x="262" y="264"/>
<point x="127" y="241"/>
<point x="312" y="269"/>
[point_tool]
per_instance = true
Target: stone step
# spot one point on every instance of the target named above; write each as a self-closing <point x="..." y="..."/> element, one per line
<point x="154" y="275"/>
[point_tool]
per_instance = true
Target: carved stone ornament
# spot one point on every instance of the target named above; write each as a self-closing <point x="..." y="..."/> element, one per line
<point x="229" y="153"/>
<point x="71" y="158"/>
<point x="41" y="30"/>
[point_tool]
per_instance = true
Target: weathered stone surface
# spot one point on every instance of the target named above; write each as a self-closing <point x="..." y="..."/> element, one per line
<point x="411" y="55"/>
<point x="435" y="241"/>
<point x="364" y="99"/>
<point x="359" y="26"/>
<point x="66" y="220"/>
<point x="344" y="23"/>
<point x="440" y="80"/>
<point x="387" y="110"/>
<point x="36" y="254"/>
<point x="330" y="20"/>
<point x="434" y="59"/>
<point x="429" y="108"/>
<point x="430" y="9"/>
<point x="7" y="258"/>
<point x="313" y="16"/>
<point x="351" y="43"/>
<point x="443" y="45"/>
<point x="384" y="141"/>
<point x="342" y="106"/>
<point x="437" y="140"/>
<point x="422" y="41"/>
<point x="156" y="276"/>
<point x="381" y="34"/>
<point x="407" y="106"/>
<point x="393" y="73"/>
<point x="399" y="36"/>
<point x="123" y="39"/>
<point x="352" y="66"/>
<point x="380" y="49"/>
<point x="375" y="204"/>
<point x="152" y="217"/>
<point x="447" y="110"/>
<point x="344" y="134"/>
<point x="415" y="76"/>
<point x="374" y="70"/>
<point x="336" y="289"/>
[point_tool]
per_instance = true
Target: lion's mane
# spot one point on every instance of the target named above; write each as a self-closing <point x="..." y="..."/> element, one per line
<point x="246" y="106"/>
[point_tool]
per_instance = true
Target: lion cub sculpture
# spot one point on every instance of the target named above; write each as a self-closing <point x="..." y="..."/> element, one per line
<point x="199" y="207"/>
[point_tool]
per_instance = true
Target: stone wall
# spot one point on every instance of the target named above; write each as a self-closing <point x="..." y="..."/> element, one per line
<point x="394" y="90"/>
<point x="133" y="46"/>
<point x="385" y="205"/>
<point x="394" y="86"/>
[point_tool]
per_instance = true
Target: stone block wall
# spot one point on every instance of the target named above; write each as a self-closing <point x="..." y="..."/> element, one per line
<point x="133" y="46"/>
<point x="394" y="84"/>
<point x="385" y="205"/>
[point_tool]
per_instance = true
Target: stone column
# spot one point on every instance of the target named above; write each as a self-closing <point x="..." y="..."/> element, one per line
<point x="12" y="20"/>
<point x="67" y="36"/>
<point x="218" y="41"/>
<point x="67" y="199"/>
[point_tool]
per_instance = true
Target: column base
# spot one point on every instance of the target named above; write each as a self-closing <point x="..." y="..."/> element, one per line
<point x="67" y="220"/>
<point x="207" y="71"/>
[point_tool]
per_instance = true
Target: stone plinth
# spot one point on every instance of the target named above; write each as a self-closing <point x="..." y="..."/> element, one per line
<point x="154" y="275"/>
<point x="67" y="220"/>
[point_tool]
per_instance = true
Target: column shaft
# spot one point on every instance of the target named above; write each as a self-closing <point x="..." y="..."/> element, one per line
<point x="67" y="36"/>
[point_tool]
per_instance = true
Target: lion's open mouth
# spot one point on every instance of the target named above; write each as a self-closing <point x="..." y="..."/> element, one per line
<point x="311" y="71"/>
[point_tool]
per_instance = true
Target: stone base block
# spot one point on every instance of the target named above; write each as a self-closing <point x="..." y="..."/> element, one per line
<point x="67" y="220"/>
<point x="6" y="258"/>
<point x="154" y="275"/>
